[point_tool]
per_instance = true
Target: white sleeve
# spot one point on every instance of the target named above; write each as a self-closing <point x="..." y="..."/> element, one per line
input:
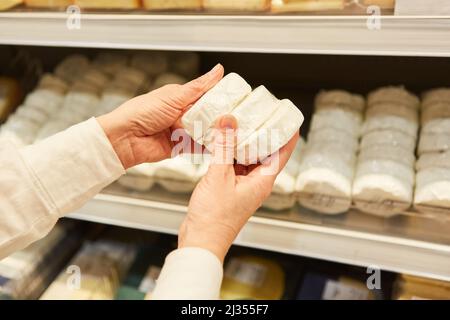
<point x="189" y="274"/>
<point x="42" y="182"/>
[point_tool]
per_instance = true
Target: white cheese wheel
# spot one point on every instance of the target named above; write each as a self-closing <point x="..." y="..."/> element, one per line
<point x="342" y="120"/>
<point x="434" y="96"/>
<point x="48" y="101"/>
<point x="152" y="63"/>
<point x="441" y="125"/>
<point x="432" y="142"/>
<point x="390" y="123"/>
<point x="186" y="64"/>
<point x="389" y="137"/>
<point x="72" y="67"/>
<point x="397" y="95"/>
<point x="333" y="136"/>
<point x="433" y="185"/>
<point x="433" y="160"/>
<point x="382" y="151"/>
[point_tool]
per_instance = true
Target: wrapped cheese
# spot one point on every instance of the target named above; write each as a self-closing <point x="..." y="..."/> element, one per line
<point x="172" y="4"/>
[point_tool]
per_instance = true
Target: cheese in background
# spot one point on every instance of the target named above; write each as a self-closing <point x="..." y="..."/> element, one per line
<point x="408" y="287"/>
<point x="247" y="5"/>
<point x="306" y="5"/>
<point x="383" y="4"/>
<point x="422" y="7"/>
<point x="328" y="163"/>
<point x="172" y="4"/>
<point x="48" y="3"/>
<point x="108" y="4"/>
<point x="433" y="167"/>
<point x="8" y="4"/>
<point x="384" y="178"/>
<point x="9" y="96"/>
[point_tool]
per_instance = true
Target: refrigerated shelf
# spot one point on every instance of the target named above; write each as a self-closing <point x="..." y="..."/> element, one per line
<point x="389" y="244"/>
<point x="400" y="36"/>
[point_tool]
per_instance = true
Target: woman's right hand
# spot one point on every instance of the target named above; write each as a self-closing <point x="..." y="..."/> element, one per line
<point x="228" y="195"/>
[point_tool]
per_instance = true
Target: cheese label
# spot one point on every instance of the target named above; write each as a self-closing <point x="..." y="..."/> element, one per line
<point x="248" y="273"/>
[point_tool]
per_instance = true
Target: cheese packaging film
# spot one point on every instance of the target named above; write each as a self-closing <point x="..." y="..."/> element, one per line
<point x="433" y="166"/>
<point x="384" y="178"/>
<point x="260" y="116"/>
<point x="328" y="163"/>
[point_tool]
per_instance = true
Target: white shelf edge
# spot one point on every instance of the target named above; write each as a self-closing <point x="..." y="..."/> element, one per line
<point x="400" y="255"/>
<point x="399" y="35"/>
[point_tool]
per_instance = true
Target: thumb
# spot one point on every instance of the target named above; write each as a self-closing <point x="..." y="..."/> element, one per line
<point x="193" y="90"/>
<point x="223" y="147"/>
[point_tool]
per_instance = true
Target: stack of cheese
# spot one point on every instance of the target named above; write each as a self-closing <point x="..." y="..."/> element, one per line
<point x="94" y="273"/>
<point x="433" y="167"/>
<point x="283" y="191"/>
<point x="36" y="110"/>
<point x="179" y="174"/>
<point x="384" y="178"/>
<point x="172" y="4"/>
<point x="248" y="5"/>
<point x="79" y="103"/>
<point x="328" y="163"/>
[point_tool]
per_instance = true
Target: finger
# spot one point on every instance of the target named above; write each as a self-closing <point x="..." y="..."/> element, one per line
<point x="194" y="89"/>
<point x="222" y="159"/>
<point x="267" y="172"/>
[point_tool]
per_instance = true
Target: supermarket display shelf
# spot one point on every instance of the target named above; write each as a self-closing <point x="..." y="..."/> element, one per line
<point x="401" y="36"/>
<point x="323" y="241"/>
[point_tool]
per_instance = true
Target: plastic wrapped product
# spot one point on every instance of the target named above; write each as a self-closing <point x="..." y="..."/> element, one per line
<point x="384" y="109"/>
<point x="338" y="119"/>
<point x="388" y="152"/>
<point x="110" y="100"/>
<point x="46" y="100"/>
<point x="186" y="64"/>
<point x="435" y="96"/>
<point x="20" y="129"/>
<point x="108" y="4"/>
<point x="331" y="135"/>
<point x="390" y="123"/>
<point x="262" y="131"/>
<point x="72" y="67"/>
<point x="110" y="62"/>
<point x="34" y="114"/>
<point x="435" y="111"/>
<point x="251" y="277"/>
<point x="249" y="5"/>
<point x="140" y="177"/>
<point x="219" y="100"/>
<point x="433" y="142"/>
<point x="339" y="99"/>
<point x="9" y="96"/>
<point x="432" y="189"/>
<point x="437" y="126"/>
<point x="393" y="95"/>
<point x="8" y="4"/>
<point x="324" y="180"/>
<point x="433" y="160"/>
<point x="383" y="187"/>
<point x="50" y="82"/>
<point x="79" y="103"/>
<point x="306" y="5"/>
<point x="383" y="4"/>
<point x="282" y="196"/>
<point x="178" y="174"/>
<point x="48" y="3"/>
<point x="152" y="63"/>
<point x="172" y="4"/>
<point x="95" y="78"/>
<point x="389" y="137"/>
<point x="168" y="78"/>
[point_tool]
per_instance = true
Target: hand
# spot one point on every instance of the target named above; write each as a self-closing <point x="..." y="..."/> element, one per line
<point x="227" y="196"/>
<point x="140" y="129"/>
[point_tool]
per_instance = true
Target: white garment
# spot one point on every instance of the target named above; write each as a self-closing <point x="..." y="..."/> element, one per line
<point x="42" y="182"/>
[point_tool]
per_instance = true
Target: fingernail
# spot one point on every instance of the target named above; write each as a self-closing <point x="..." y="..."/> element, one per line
<point x="227" y="122"/>
<point x="216" y="68"/>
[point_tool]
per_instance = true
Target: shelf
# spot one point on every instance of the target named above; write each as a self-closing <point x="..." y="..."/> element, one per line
<point x="400" y="36"/>
<point x="337" y="238"/>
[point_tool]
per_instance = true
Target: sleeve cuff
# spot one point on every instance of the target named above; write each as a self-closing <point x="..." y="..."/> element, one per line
<point x="189" y="273"/>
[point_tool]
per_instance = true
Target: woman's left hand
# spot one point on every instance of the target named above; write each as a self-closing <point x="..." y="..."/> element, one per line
<point x="140" y="129"/>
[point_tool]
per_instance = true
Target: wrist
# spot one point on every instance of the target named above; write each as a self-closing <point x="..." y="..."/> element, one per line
<point x="119" y="137"/>
<point x="214" y="240"/>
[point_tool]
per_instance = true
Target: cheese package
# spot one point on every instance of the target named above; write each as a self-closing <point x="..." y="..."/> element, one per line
<point x="283" y="191"/>
<point x="327" y="166"/>
<point x="110" y="62"/>
<point x="306" y="5"/>
<point x="48" y="3"/>
<point x="172" y="4"/>
<point x="238" y="5"/>
<point x="9" y="96"/>
<point x="72" y="67"/>
<point x="261" y="131"/>
<point x="433" y="170"/>
<point x="384" y="179"/>
<point x="251" y="277"/>
<point x="108" y="4"/>
<point x="8" y="4"/>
